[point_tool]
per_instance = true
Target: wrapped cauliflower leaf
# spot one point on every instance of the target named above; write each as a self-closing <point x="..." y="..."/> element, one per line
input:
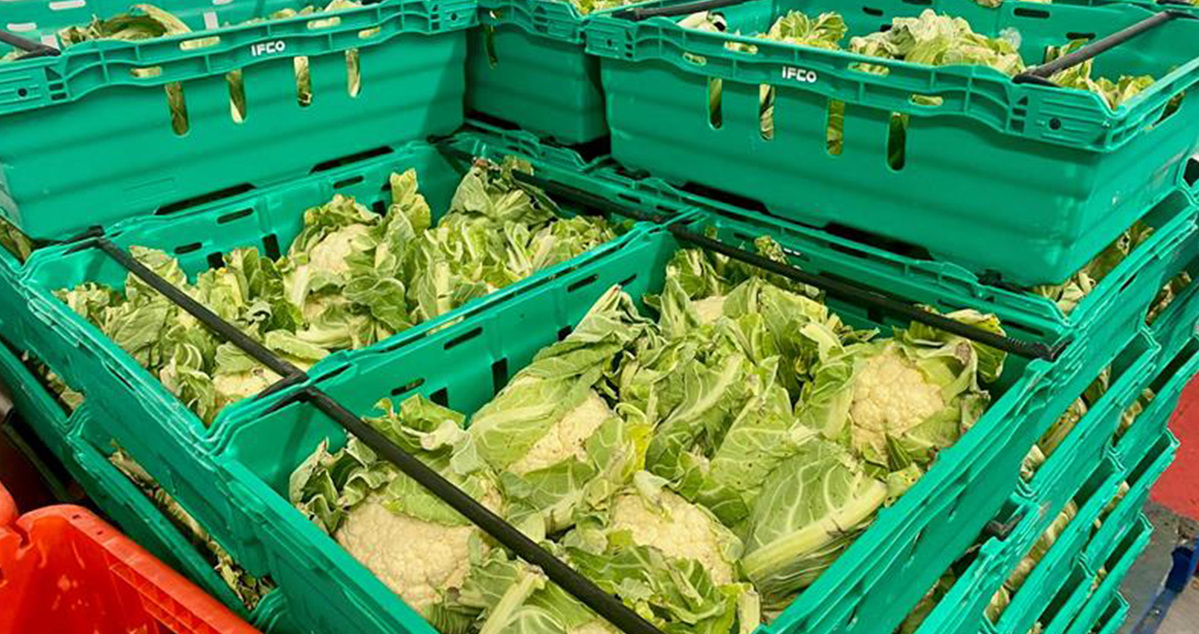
<point x="811" y="507"/>
<point x="412" y="541"/>
<point x="554" y="440"/>
<point x="897" y="401"/>
<point x="670" y="560"/>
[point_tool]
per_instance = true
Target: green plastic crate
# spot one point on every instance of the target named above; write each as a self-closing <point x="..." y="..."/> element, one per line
<point x="1075" y="172"/>
<point x="1080" y="470"/>
<point x="40" y="20"/>
<point x="1110" y="621"/>
<point x="466" y="363"/>
<point x="1127" y="290"/>
<point x="1176" y="325"/>
<point x="59" y="115"/>
<point x="1133" y="542"/>
<point x="1148" y="427"/>
<point x="1059" y="610"/>
<point x="36" y="406"/>
<point x="143" y="416"/>
<point x="121" y="501"/>
<point x="526" y="65"/>
<point x="1141" y="478"/>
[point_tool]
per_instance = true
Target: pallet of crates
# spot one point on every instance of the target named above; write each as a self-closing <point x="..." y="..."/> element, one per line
<point x="821" y="102"/>
<point x="65" y="425"/>
<point x="886" y="571"/>
<point x="173" y="443"/>
<point x="158" y="108"/>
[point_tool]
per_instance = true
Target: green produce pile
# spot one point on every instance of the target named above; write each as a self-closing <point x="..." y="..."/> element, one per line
<point x="705" y="467"/>
<point x="350" y="278"/>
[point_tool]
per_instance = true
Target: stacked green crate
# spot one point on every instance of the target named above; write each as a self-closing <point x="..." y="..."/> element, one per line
<point x="465" y="364"/>
<point x="137" y="412"/>
<point x="65" y="429"/>
<point x="1050" y="174"/>
<point x="232" y="97"/>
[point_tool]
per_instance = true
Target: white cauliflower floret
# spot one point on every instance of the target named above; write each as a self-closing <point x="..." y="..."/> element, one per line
<point x="709" y="309"/>
<point x="417" y="560"/>
<point x="235" y="386"/>
<point x="890" y="395"/>
<point x="567" y="437"/>
<point x="331" y="252"/>
<point x="679" y="529"/>
<point x="595" y="627"/>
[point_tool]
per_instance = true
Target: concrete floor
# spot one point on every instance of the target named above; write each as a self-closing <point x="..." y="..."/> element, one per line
<point x="1146" y="575"/>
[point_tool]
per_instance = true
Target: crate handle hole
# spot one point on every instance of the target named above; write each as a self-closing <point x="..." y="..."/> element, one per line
<point x="187" y="248"/>
<point x="897" y="141"/>
<point x="577" y="284"/>
<point x="303" y="81"/>
<point x="834" y="135"/>
<point x="715" y="97"/>
<point x="1024" y="12"/>
<point x="463" y="338"/>
<point x="323" y="23"/>
<point x="177" y="108"/>
<point x="230" y="217"/>
<point x="237" y="95"/>
<point x="407" y="387"/>
<point x="878" y="13"/>
<point x="203" y="42"/>
<point x="353" y="72"/>
<point x="766" y="111"/>
<point x="346" y="182"/>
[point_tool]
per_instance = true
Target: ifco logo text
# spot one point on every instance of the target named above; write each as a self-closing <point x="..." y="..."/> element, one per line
<point x="268" y="48"/>
<point x="801" y="75"/>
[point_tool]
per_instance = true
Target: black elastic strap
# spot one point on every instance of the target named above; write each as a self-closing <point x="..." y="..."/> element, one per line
<point x="32" y="49"/>
<point x="604" y="604"/>
<point x="1020" y="347"/>
<point x="644" y="13"/>
<point x="582" y="588"/>
<point x="1042" y="73"/>
<point x="226" y="330"/>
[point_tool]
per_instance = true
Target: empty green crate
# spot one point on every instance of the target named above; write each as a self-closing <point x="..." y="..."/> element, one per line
<point x="88" y="137"/>
<point x="143" y="416"/>
<point x="1110" y="573"/>
<point x="466" y="363"/>
<point x="1051" y="174"/>
<point x="122" y="502"/>
<point x="1147" y="428"/>
<point x="525" y="64"/>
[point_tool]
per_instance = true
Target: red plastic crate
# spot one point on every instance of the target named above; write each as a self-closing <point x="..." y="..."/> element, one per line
<point x="62" y="569"/>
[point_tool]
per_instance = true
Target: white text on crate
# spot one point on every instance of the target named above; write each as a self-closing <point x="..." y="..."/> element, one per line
<point x="268" y="48"/>
<point x="801" y="75"/>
